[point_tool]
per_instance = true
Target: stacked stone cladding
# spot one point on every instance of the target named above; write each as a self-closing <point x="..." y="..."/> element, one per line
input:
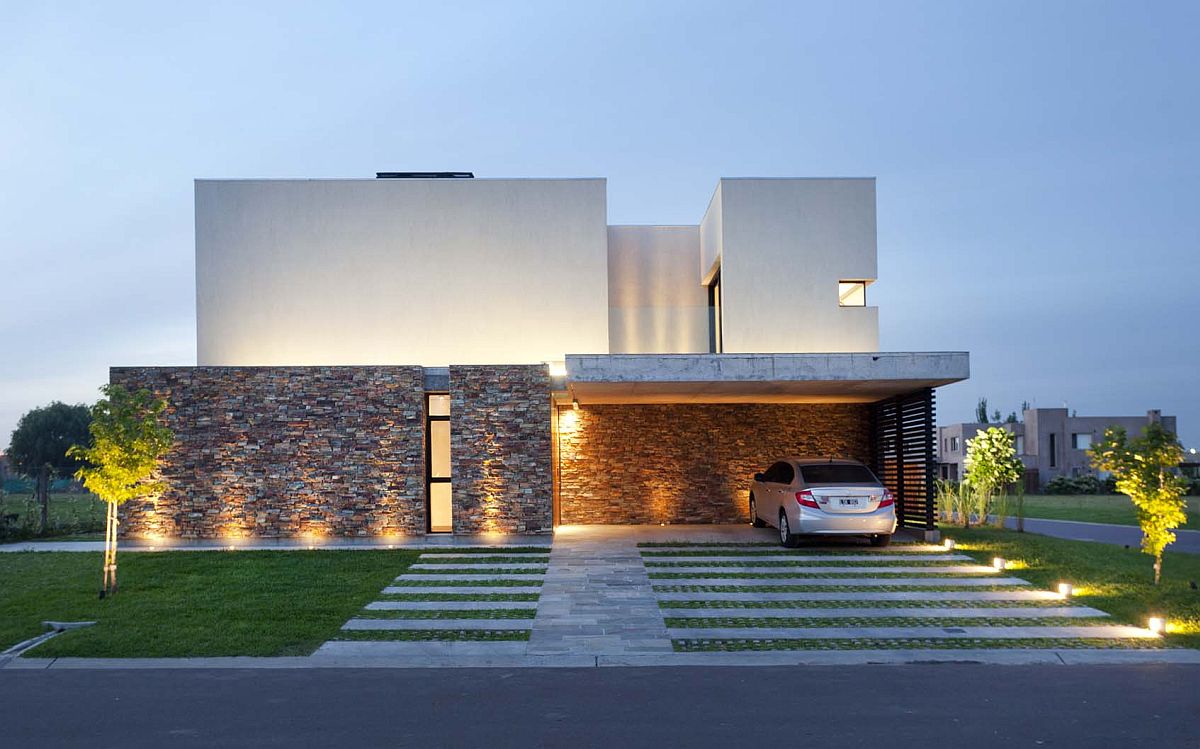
<point x="690" y="463"/>
<point x="286" y="451"/>
<point x="500" y="448"/>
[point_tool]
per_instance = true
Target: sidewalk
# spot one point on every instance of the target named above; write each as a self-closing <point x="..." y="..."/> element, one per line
<point x="1187" y="542"/>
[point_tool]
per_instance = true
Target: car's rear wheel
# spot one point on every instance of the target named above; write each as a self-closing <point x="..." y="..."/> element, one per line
<point x="755" y="520"/>
<point x="881" y="540"/>
<point x="786" y="537"/>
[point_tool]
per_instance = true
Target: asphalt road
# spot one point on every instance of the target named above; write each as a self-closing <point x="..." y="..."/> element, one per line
<point x="893" y="706"/>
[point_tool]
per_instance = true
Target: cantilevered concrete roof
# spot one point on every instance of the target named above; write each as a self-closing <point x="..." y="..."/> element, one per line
<point x="755" y="378"/>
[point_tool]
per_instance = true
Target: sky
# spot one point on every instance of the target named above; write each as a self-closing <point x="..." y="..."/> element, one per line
<point x="1038" y="163"/>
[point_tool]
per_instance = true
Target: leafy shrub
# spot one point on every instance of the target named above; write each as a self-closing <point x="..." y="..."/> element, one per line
<point x="1075" y="485"/>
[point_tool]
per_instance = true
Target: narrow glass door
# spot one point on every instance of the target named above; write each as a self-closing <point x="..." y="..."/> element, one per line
<point x="438" y="510"/>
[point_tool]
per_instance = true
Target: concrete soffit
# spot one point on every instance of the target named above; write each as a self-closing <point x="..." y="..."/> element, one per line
<point x="754" y="378"/>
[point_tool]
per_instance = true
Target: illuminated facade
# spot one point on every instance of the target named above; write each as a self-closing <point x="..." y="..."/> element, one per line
<point x="408" y="355"/>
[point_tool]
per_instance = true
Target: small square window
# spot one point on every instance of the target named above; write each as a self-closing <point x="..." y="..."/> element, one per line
<point x="1081" y="440"/>
<point x="852" y="293"/>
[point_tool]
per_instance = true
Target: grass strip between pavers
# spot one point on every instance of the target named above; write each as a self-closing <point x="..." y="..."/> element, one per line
<point x="801" y="588"/>
<point x="934" y="564"/>
<point x="844" y="604"/>
<point x="1050" y="643"/>
<point x="499" y="571"/>
<point x="434" y="635"/>
<point x="883" y="621"/>
<point x="493" y="550"/>
<point x="457" y="597"/>
<point x="483" y="560"/>
<point x="705" y="545"/>
<point x="783" y="551"/>
<point x="815" y="575"/>
<point x="486" y="583"/>
<point x="446" y="614"/>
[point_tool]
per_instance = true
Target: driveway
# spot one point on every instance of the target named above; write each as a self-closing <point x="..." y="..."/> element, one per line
<point x="620" y="595"/>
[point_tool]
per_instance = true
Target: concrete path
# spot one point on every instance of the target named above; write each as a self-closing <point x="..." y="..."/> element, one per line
<point x="1187" y="542"/>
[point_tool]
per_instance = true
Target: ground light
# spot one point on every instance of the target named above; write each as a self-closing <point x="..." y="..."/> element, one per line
<point x="1156" y="624"/>
<point x="948" y="543"/>
<point x="999" y="563"/>
<point x="1064" y="590"/>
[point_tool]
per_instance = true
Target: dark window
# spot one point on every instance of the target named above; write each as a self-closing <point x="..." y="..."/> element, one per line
<point x="781" y="473"/>
<point x="1053" y="450"/>
<point x="715" y="345"/>
<point x="837" y="473"/>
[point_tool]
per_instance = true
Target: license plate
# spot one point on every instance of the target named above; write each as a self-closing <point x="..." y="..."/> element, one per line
<point x="848" y="502"/>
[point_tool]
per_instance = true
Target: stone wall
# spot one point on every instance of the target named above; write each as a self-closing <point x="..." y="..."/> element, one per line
<point x="286" y="451"/>
<point x="690" y="463"/>
<point x="500" y="448"/>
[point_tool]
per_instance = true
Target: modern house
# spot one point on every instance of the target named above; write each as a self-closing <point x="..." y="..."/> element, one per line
<point x="436" y="353"/>
<point x="1049" y="441"/>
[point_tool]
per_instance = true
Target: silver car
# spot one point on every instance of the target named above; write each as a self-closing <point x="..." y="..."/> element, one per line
<point x="824" y="497"/>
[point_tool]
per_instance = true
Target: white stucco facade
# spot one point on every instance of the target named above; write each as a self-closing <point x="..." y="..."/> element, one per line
<point x="395" y="271"/>
<point x="484" y="271"/>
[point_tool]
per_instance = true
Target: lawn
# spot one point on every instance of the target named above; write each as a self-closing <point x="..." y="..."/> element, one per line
<point x="174" y="604"/>
<point x="78" y="515"/>
<point x="1098" y="508"/>
<point x="1110" y="578"/>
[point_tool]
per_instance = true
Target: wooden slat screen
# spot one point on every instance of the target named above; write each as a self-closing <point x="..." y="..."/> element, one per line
<point x="903" y="446"/>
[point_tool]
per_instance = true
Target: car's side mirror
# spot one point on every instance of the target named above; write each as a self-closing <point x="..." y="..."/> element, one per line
<point x="760" y="477"/>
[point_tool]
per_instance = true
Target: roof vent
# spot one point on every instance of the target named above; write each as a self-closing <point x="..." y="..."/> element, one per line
<point x="424" y="175"/>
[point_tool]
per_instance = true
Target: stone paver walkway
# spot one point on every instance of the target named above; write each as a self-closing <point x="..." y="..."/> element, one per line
<point x="597" y="600"/>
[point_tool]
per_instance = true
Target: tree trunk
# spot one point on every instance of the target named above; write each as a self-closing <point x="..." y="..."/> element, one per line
<point x="43" y="492"/>
<point x="109" y="584"/>
<point x="1157" y="568"/>
<point x="1021" y="512"/>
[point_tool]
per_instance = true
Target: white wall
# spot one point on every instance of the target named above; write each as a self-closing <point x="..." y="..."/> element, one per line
<point x="656" y="303"/>
<point x="429" y="272"/>
<point x="785" y="244"/>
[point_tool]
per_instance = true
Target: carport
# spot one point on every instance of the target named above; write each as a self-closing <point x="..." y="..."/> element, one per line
<point x="650" y="439"/>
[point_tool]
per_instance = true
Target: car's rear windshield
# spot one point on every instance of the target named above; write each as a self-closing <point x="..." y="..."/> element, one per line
<point x="836" y="473"/>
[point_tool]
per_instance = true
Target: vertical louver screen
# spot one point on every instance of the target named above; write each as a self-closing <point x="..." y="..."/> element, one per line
<point x="902" y="441"/>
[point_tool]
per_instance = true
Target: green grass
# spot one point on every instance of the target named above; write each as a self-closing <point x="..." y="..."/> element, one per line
<point x="802" y="622"/>
<point x="1039" y="643"/>
<point x="813" y="575"/>
<point x="1113" y="579"/>
<point x="79" y="516"/>
<point x="800" y="588"/>
<point x="174" y="604"/>
<point x="786" y="565"/>
<point x="485" y="583"/>
<point x="447" y="614"/>
<point x="1116" y="509"/>
<point x="435" y="635"/>
<point x="834" y="604"/>
<point x="456" y="597"/>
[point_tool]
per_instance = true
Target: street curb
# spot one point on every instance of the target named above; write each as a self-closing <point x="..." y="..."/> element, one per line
<point x="1010" y="657"/>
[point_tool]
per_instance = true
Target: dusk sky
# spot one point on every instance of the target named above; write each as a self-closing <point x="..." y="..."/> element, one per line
<point x="1038" y="163"/>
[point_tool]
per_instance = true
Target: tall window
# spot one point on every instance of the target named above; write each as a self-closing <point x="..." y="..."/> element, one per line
<point x="714" y="315"/>
<point x="1053" y="450"/>
<point x="439" y="507"/>
<point x="1020" y="444"/>
<point x="852" y="293"/>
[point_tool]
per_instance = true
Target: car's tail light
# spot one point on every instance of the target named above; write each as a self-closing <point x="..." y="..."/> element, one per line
<point x="888" y="500"/>
<point x="806" y="499"/>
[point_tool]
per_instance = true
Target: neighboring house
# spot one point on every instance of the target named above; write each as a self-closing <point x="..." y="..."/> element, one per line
<point x="407" y="355"/>
<point x="5" y="470"/>
<point x="1049" y="442"/>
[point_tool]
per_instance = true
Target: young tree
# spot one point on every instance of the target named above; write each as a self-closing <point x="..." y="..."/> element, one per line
<point x="981" y="414"/>
<point x="996" y="416"/>
<point x="1144" y="470"/>
<point x="991" y="465"/>
<point x="40" y="443"/>
<point x="128" y="441"/>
